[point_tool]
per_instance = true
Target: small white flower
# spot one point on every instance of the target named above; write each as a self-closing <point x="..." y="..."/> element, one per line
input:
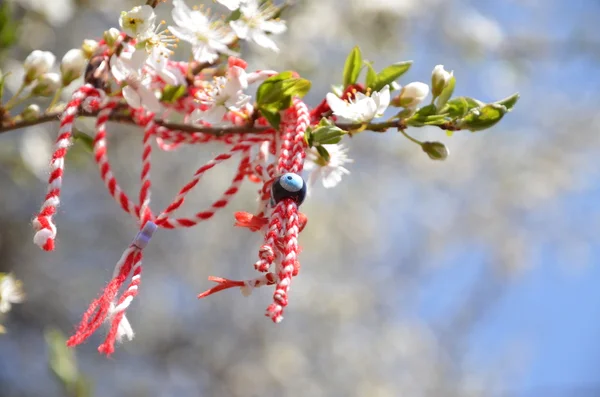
<point x="439" y="79"/>
<point x="208" y="37"/>
<point x="330" y="172"/>
<point x="362" y="108"/>
<point x="231" y="4"/>
<point x="89" y="47"/>
<point x="47" y="84"/>
<point x="37" y="63"/>
<point x="128" y="68"/>
<point x="72" y="65"/>
<point x="159" y="62"/>
<point x="10" y="292"/>
<point x="411" y="95"/>
<point x="223" y="95"/>
<point x="111" y="35"/>
<point x="256" y="21"/>
<point x="139" y="22"/>
<point x="31" y="112"/>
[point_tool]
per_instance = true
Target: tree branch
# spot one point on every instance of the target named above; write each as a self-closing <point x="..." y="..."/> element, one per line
<point x="189" y="128"/>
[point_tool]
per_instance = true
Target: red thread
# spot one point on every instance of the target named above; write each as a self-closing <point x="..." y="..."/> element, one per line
<point x="281" y="224"/>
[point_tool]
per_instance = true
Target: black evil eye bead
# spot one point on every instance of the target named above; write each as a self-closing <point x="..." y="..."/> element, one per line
<point x="288" y="186"/>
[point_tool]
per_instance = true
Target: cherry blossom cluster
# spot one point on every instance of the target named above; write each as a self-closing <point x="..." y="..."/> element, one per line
<point x="131" y="75"/>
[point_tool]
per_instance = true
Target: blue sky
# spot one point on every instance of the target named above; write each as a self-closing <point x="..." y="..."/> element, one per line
<point x="553" y="307"/>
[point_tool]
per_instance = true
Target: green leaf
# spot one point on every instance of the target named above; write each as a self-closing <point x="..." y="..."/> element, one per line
<point x="483" y="118"/>
<point x="352" y="67"/>
<point x="327" y="135"/>
<point x="308" y="136"/>
<point x="446" y="93"/>
<point x="280" y="89"/>
<point x="390" y="74"/>
<point x="371" y="76"/>
<point x="509" y="102"/>
<point x="295" y="87"/>
<point x="235" y="15"/>
<point x="84" y="139"/>
<point x="61" y="358"/>
<point x="273" y="117"/>
<point x="270" y="89"/>
<point x="457" y="107"/>
<point x="2" y="81"/>
<point x="323" y="153"/>
<point x="9" y="27"/>
<point x="172" y="93"/>
<point x="435" y="121"/>
<point x="474" y="103"/>
<point x="276" y="94"/>
<point x="420" y="117"/>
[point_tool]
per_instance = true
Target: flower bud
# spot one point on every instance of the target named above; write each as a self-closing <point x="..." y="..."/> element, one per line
<point x="435" y="150"/>
<point x="439" y="80"/>
<point x="47" y="84"/>
<point x="139" y="22"/>
<point x="72" y="65"/>
<point x="89" y="47"/>
<point x="111" y="35"/>
<point x="31" y="112"/>
<point x="411" y="95"/>
<point x="36" y="64"/>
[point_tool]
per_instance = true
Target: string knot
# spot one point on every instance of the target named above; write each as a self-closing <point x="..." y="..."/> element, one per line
<point x="143" y="237"/>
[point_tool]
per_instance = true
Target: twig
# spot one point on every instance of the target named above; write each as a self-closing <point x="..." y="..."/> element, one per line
<point x="126" y="119"/>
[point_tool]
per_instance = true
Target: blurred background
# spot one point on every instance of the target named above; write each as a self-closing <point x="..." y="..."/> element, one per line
<point x="476" y="276"/>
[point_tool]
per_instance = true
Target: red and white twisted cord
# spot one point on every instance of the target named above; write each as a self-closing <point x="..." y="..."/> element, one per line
<point x="101" y="158"/>
<point x="43" y="224"/>
<point x="286" y="267"/>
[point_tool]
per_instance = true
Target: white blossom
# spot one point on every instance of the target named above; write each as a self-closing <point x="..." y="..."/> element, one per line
<point x="256" y="21"/>
<point x="330" y="172"/>
<point x="159" y="62"/>
<point x="139" y="22"/>
<point x="231" y="4"/>
<point x="208" y="37"/>
<point x="47" y="84"/>
<point x="412" y="94"/>
<point x="31" y="112"/>
<point x="439" y="79"/>
<point x="10" y="292"/>
<point x="362" y="108"/>
<point x="222" y="95"/>
<point x="111" y="35"/>
<point x="89" y="47"/>
<point x="38" y="63"/>
<point x="128" y="68"/>
<point x="72" y="65"/>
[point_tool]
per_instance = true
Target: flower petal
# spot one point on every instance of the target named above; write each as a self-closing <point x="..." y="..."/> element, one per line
<point x="231" y="4"/>
<point x="118" y="68"/>
<point x="260" y="38"/>
<point x="275" y="27"/>
<point x="240" y="29"/>
<point x="132" y="97"/>
<point x="382" y="100"/>
<point x="336" y="104"/>
<point x="183" y="34"/>
<point x="149" y="100"/>
<point x="181" y="13"/>
<point x="203" y="53"/>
